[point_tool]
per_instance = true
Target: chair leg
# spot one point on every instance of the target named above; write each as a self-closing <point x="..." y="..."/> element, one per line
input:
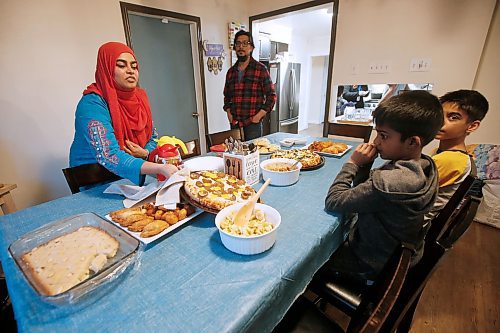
<point x="405" y="324"/>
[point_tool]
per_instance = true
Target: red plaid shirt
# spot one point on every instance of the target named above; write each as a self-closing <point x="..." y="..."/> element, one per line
<point x="253" y="93"/>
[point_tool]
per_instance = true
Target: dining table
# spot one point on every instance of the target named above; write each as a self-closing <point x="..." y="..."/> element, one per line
<point x="188" y="281"/>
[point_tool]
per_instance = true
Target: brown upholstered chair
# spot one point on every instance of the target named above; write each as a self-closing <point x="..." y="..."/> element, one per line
<point x="371" y="312"/>
<point x="351" y="130"/>
<point x="87" y="174"/>
<point x="218" y="138"/>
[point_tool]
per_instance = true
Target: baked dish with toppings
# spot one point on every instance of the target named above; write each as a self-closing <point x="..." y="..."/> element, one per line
<point x="307" y="158"/>
<point x="216" y="190"/>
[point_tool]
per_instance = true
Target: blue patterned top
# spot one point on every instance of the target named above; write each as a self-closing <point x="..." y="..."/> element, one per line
<point x="95" y="140"/>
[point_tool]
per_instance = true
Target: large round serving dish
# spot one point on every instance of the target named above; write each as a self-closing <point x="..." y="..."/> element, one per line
<point x="280" y="178"/>
<point x="249" y="245"/>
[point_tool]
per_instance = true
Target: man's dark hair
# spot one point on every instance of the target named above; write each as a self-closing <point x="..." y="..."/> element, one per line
<point x="470" y="101"/>
<point x="243" y="33"/>
<point x="411" y="113"/>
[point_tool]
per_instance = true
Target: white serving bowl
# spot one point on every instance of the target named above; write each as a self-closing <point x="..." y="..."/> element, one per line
<point x="280" y="178"/>
<point x="249" y="244"/>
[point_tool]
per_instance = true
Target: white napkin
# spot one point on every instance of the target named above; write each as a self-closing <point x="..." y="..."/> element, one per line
<point x="288" y="142"/>
<point x="167" y="191"/>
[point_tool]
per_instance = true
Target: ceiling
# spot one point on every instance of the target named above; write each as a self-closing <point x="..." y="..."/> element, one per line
<point x="314" y="21"/>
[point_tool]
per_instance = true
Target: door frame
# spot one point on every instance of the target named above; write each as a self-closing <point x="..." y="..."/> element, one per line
<point x="333" y="32"/>
<point x="198" y="70"/>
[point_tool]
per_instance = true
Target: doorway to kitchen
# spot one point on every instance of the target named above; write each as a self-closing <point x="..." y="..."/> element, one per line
<point x="301" y="40"/>
<point x="167" y="48"/>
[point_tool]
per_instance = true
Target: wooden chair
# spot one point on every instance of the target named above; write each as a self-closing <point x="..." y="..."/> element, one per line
<point x="7" y="204"/>
<point x="370" y="314"/>
<point x="87" y="174"/>
<point x="218" y="138"/>
<point x="351" y="130"/>
<point x="347" y="294"/>
<point x="193" y="148"/>
<point x="448" y="231"/>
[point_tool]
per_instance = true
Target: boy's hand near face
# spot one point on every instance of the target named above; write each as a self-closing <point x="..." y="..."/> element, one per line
<point x="363" y="154"/>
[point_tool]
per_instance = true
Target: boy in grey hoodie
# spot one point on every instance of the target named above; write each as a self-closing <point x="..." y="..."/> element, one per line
<point x="390" y="201"/>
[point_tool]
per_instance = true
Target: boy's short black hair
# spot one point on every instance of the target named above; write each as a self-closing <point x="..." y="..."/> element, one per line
<point x="411" y="113"/>
<point x="243" y="33"/>
<point x="470" y="101"/>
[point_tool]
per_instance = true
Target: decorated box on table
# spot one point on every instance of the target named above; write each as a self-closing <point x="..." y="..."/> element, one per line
<point x="245" y="167"/>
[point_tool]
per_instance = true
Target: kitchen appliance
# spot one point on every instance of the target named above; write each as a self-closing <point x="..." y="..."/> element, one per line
<point x="286" y="77"/>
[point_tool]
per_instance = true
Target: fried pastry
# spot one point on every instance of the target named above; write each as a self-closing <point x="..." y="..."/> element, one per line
<point x="181" y="213"/>
<point x="154" y="228"/>
<point x="127" y="216"/>
<point x="170" y="217"/>
<point x="138" y="226"/>
<point x="331" y="150"/>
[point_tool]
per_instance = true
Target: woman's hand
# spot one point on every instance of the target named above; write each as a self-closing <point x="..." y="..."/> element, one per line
<point x="167" y="170"/>
<point x="150" y="168"/>
<point x="363" y="154"/>
<point x="135" y="150"/>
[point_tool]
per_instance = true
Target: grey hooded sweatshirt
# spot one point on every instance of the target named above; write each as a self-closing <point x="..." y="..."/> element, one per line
<point x="390" y="203"/>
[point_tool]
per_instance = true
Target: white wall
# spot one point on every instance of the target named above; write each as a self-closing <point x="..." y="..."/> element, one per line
<point x="316" y="89"/>
<point x="49" y="49"/>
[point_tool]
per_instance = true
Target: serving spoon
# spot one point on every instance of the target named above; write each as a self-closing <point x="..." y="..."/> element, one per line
<point x="245" y="213"/>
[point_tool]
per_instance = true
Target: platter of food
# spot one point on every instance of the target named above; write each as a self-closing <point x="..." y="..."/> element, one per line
<point x="148" y="222"/>
<point x="328" y="148"/>
<point x="69" y="258"/>
<point x="265" y="147"/>
<point x="212" y="190"/>
<point x="309" y="160"/>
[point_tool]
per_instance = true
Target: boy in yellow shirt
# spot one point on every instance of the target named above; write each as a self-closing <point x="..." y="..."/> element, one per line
<point x="463" y="111"/>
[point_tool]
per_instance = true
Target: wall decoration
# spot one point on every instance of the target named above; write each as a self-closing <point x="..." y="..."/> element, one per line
<point x="214" y="50"/>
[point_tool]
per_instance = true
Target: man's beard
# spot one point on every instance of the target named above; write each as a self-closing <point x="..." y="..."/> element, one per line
<point x="242" y="58"/>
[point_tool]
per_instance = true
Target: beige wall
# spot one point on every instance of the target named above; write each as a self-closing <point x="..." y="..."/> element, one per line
<point x="487" y="82"/>
<point x="49" y="50"/>
<point x="48" y="57"/>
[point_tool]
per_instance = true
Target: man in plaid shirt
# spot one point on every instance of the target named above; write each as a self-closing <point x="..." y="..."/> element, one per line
<point x="249" y="92"/>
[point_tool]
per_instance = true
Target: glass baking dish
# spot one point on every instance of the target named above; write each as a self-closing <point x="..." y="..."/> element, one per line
<point x="124" y="259"/>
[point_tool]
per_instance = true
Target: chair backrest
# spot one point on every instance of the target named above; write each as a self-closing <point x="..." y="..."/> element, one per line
<point x="444" y="235"/>
<point x="193" y="148"/>
<point x="442" y="219"/>
<point x="351" y="130"/>
<point x="87" y="174"/>
<point x="382" y="295"/>
<point x="218" y="138"/>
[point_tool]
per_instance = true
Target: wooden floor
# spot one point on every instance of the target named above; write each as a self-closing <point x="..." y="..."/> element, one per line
<point x="463" y="295"/>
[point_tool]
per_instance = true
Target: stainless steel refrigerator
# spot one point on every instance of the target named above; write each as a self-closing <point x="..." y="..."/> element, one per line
<point x="286" y="77"/>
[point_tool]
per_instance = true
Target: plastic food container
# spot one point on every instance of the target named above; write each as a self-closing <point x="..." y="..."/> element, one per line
<point x="249" y="245"/>
<point x="281" y="178"/>
<point x="125" y="257"/>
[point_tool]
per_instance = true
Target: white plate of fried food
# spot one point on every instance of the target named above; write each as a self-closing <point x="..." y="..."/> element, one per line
<point x="328" y="148"/>
<point x="148" y="222"/>
<point x="265" y="146"/>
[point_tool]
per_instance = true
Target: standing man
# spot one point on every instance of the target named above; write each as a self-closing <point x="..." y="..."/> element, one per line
<point x="249" y="92"/>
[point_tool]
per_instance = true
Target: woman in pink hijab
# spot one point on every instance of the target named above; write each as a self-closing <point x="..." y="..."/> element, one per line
<point x="113" y="124"/>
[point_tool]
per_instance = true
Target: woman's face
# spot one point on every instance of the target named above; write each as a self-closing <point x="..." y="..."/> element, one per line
<point x="126" y="72"/>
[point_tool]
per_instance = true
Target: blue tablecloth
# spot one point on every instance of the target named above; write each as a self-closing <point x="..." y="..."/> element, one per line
<point x="188" y="281"/>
